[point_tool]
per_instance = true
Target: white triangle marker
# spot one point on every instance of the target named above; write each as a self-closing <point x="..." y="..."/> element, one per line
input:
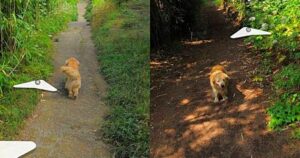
<point x="38" y="84"/>
<point x="15" y="149"/>
<point x="246" y="31"/>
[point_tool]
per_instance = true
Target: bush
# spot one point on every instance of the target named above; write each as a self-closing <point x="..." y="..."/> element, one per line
<point x="285" y="111"/>
<point x="279" y="17"/>
<point x="288" y="78"/>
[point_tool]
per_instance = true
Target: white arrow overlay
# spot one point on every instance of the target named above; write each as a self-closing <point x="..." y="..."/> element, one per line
<point x="246" y="31"/>
<point x="15" y="149"/>
<point x="38" y="84"/>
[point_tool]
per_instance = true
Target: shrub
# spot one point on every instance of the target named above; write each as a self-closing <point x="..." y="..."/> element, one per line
<point x="288" y="78"/>
<point x="286" y="110"/>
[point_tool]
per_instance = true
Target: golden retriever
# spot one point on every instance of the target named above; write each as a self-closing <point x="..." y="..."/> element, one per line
<point x="219" y="82"/>
<point x="71" y="70"/>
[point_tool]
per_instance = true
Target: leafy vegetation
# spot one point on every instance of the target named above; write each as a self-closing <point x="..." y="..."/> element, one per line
<point x="286" y="110"/>
<point x="26" y="47"/>
<point x="281" y="18"/>
<point x="282" y="46"/>
<point x="288" y="78"/>
<point x="121" y="34"/>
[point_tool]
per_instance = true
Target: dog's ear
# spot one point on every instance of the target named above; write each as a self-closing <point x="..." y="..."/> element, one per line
<point x="227" y="77"/>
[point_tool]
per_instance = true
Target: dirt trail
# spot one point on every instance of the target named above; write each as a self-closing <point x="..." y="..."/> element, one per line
<point x="184" y="120"/>
<point x="66" y="128"/>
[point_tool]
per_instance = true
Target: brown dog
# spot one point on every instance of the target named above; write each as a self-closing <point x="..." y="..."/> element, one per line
<point x="219" y="82"/>
<point x="73" y="83"/>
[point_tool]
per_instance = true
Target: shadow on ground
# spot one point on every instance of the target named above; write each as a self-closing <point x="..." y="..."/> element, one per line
<point x="184" y="120"/>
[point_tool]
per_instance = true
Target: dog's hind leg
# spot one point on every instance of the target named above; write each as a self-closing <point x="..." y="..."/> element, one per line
<point x="71" y="94"/>
<point x="75" y="92"/>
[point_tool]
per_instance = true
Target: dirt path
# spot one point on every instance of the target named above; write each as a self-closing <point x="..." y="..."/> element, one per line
<point x="65" y="128"/>
<point x="184" y="120"/>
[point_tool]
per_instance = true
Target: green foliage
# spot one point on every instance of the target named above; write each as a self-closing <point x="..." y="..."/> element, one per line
<point x="122" y="37"/>
<point x="30" y="59"/>
<point x="238" y="5"/>
<point x="286" y="110"/>
<point x="288" y="78"/>
<point x="281" y="17"/>
<point x="15" y="14"/>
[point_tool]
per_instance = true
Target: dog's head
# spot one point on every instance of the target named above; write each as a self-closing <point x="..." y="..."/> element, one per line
<point x="72" y="62"/>
<point x="221" y="80"/>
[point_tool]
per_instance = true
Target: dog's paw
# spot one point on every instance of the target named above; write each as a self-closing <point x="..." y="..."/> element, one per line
<point x="216" y="100"/>
<point x="225" y="98"/>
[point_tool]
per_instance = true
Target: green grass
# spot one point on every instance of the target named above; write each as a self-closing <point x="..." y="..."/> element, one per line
<point x="122" y="36"/>
<point x="32" y="60"/>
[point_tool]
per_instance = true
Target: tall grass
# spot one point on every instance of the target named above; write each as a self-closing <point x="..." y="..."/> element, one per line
<point x="121" y="34"/>
<point x="26" y="48"/>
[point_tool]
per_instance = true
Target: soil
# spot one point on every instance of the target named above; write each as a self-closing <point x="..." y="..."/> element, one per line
<point x="184" y="120"/>
<point x="66" y="128"/>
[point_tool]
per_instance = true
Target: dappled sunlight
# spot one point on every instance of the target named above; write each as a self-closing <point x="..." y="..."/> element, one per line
<point x="170" y="132"/>
<point x="201" y="134"/>
<point x="184" y="101"/>
<point x="199" y="111"/>
<point x="202" y="109"/>
<point x="155" y="63"/>
<point x="196" y="125"/>
<point x="250" y="93"/>
<point x="231" y="120"/>
<point x="199" y="42"/>
<point x="189" y="77"/>
<point x="225" y="63"/>
<point x="230" y="73"/>
<point x="243" y="107"/>
<point x="248" y="132"/>
<point x="158" y="64"/>
<point x="191" y="65"/>
<point x="169" y="152"/>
